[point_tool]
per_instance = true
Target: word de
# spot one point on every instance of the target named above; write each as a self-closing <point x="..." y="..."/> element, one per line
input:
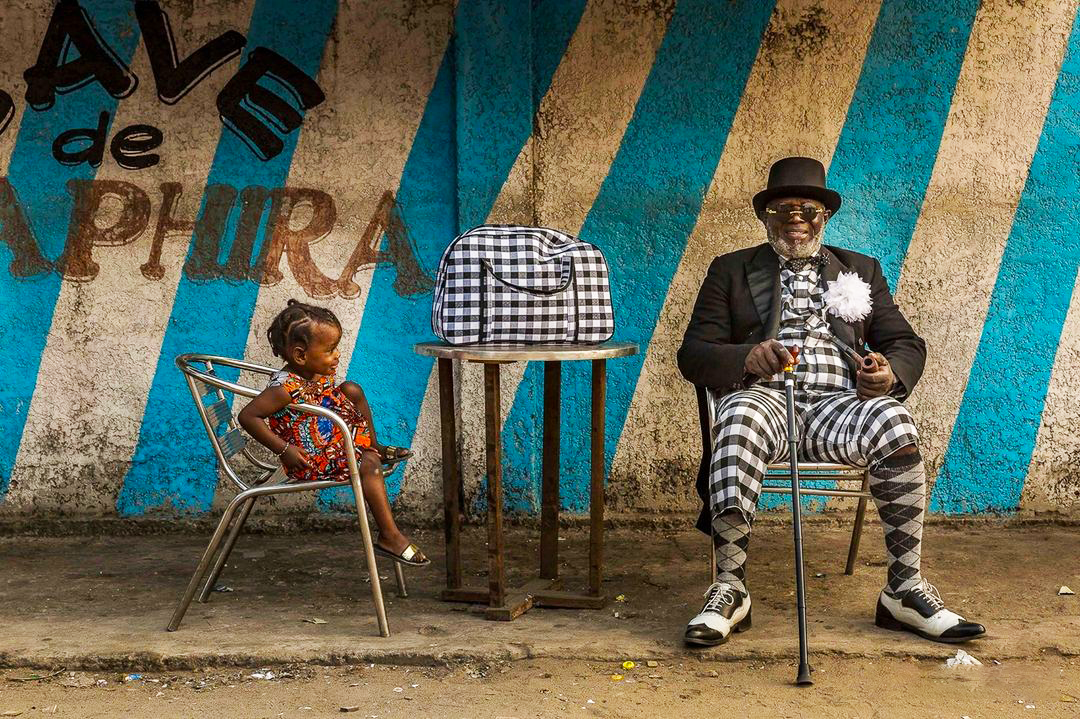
<point x="130" y="147"/>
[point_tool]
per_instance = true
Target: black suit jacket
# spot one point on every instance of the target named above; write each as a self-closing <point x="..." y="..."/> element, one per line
<point x="738" y="307"/>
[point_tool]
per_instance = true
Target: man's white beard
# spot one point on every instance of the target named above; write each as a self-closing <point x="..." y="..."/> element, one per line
<point x="792" y="250"/>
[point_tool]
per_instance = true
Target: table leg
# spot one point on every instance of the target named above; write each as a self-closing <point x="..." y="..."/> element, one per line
<point x="596" y="481"/>
<point x="549" y="512"/>
<point x="450" y="475"/>
<point x="496" y="574"/>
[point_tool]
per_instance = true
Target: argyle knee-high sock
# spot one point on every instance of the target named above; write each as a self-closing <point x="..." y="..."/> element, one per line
<point x="898" y="485"/>
<point x="731" y="537"/>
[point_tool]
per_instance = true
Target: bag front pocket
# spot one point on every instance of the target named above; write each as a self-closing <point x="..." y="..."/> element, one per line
<point x="514" y="312"/>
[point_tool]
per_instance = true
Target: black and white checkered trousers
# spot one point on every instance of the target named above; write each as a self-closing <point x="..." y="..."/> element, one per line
<point x="750" y="433"/>
<point x="750" y="426"/>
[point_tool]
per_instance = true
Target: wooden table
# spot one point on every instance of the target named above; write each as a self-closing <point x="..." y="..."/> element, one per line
<point x="503" y="603"/>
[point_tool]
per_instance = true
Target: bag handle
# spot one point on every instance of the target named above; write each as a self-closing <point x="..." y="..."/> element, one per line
<point x="529" y="290"/>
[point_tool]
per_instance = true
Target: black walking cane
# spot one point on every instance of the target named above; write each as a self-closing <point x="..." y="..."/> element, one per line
<point x="803" y="678"/>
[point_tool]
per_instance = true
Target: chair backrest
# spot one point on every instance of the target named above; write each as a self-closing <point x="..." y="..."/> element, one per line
<point x="213" y="399"/>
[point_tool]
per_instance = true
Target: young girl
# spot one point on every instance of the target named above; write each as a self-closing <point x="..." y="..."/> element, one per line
<point x="310" y="447"/>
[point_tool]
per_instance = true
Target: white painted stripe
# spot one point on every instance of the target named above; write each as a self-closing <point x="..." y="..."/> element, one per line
<point x="379" y="69"/>
<point x="1001" y="97"/>
<point x="795" y="103"/>
<point x="582" y="119"/>
<point x="106" y="334"/>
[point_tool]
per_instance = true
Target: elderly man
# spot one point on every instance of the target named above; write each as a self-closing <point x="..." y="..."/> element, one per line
<point x="795" y="292"/>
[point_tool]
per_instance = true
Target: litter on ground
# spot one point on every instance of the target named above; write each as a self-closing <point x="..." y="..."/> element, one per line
<point x="962" y="658"/>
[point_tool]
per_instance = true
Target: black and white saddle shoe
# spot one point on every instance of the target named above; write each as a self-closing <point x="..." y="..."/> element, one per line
<point x="921" y="611"/>
<point x="726" y="609"/>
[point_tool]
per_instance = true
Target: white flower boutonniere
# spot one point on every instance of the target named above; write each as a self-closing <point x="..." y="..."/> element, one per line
<point x="848" y="297"/>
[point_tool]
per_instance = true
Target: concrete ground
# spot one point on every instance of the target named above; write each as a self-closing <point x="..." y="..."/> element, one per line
<point x="100" y="603"/>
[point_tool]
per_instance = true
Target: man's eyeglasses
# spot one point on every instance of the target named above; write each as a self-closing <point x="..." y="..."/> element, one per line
<point x="785" y="212"/>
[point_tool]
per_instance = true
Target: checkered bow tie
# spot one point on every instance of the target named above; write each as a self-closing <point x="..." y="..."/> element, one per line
<point x="798" y="264"/>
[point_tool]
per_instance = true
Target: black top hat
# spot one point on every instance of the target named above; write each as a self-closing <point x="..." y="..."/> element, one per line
<point x="797" y="177"/>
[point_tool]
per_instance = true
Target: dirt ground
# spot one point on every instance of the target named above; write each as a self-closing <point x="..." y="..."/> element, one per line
<point x="555" y="688"/>
<point x="89" y="610"/>
<point x="103" y="602"/>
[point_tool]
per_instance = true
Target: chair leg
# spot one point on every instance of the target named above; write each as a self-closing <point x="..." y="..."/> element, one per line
<point x="402" y="590"/>
<point x="856" y="531"/>
<point x="204" y="563"/>
<point x="369" y="553"/>
<point x="226" y="550"/>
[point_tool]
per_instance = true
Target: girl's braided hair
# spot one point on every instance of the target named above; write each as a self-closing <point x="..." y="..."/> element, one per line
<point x="293" y="326"/>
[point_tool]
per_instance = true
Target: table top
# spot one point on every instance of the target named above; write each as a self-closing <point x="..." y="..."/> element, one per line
<point x="527" y="353"/>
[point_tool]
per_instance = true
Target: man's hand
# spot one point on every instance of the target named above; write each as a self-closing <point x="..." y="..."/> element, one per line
<point x="768" y="358"/>
<point x="876" y="383"/>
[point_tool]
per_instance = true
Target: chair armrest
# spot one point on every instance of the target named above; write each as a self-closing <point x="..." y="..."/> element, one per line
<point x="350" y="447"/>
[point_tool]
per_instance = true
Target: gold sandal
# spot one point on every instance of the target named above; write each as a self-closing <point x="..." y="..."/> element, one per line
<point x="407" y="556"/>
<point x="393" y="455"/>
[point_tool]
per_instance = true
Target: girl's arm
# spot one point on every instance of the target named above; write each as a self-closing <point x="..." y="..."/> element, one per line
<point x="253" y="419"/>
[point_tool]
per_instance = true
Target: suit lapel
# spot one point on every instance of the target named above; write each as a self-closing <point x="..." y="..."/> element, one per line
<point x="841" y="329"/>
<point x="763" y="277"/>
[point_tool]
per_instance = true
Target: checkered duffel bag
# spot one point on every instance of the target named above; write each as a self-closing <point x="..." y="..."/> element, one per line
<point x="504" y="284"/>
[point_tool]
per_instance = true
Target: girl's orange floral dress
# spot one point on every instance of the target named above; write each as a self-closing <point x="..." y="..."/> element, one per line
<point x="317" y="436"/>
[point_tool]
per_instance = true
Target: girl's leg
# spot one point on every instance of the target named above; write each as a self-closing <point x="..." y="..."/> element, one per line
<point x="354" y="393"/>
<point x="374" y="488"/>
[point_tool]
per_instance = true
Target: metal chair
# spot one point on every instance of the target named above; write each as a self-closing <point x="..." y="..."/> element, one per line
<point x="808" y="471"/>
<point x="228" y="441"/>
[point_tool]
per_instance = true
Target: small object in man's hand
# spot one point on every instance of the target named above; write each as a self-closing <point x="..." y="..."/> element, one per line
<point x="767" y="358"/>
<point x="794" y="352"/>
<point x="876" y="381"/>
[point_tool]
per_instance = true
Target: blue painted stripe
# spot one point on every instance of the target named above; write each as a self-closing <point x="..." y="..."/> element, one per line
<point x="173" y="466"/>
<point x="886" y="152"/>
<point x="493" y="101"/>
<point x="482" y="108"/>
<point x="40" y="183"/>
<point x="553" y="25"/>
<point x="644" y="214"/>
<point x="998" y="422"/>
<point x="499" y="73"/>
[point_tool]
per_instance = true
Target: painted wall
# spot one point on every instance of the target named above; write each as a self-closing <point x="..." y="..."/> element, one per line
<point x="173" y="172"/>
